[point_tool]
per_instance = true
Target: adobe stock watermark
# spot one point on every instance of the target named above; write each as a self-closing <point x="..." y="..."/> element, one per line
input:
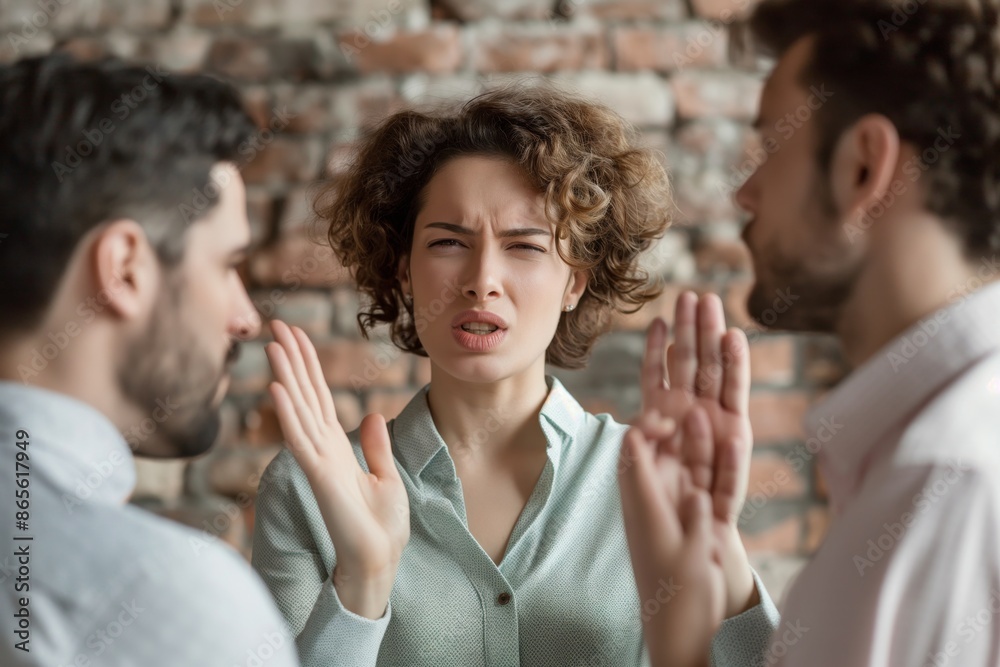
<point x="909" y="345"/>
<point x="121" y="108"/>
<point x="892" y="533"/>
<point x="713" y="30"/>
<point x="39" y="20"/>
<point x="102" y="639"/>
<point x="797" y="460"/>
<point x="781" y="641"/>
<point x="899" y="18"/>
<point x="785" y="127"/>
<point x="665" y="592"/>
<point x="361" y="37"/>
<point x="968" y="629"/>
<point x="913" y="170"/>
<point x="202" y="199"/>
<point x="87" y="311"/>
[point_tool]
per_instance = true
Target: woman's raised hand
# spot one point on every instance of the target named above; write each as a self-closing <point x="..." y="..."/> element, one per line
<point x="366" y="513"/>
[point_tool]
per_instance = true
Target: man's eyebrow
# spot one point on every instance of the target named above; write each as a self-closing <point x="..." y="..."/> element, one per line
<point x="507" y="233"/>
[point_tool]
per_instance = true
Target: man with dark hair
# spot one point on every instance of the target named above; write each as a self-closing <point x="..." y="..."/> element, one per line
<point x="881" y="214"/>
<point x="122" y="222"/>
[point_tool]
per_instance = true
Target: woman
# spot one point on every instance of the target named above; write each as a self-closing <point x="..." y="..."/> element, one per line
<point x="483" y="527"/>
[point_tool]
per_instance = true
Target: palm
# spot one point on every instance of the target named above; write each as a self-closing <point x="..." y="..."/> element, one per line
<point x="366" y="513"/>
<point x="705" y="367"/>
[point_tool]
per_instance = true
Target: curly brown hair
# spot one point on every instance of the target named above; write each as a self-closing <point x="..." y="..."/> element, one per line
<point x="604" y="193"/>
<point x="930" y="67"/>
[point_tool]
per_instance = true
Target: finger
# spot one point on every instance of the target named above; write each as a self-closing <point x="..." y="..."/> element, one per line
<point x="315" y="370"/>
<point x="655" y="427"/>
<point x="298" y="444"/>
<point x="653" y="376"/>
<point x="284" y="336"/>
<point x="683" y="360"/>
<point x="730" y="479"/>
<point x="283" y="373"/>
<point x="377" y="447"/>
<point x="697" y="448"/>
<point x="711" y="328"/>
<point x="648" y="511"/>
<point x="736" y="375"/>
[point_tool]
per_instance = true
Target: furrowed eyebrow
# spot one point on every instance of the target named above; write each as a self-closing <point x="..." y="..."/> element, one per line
<point x="507" y="233"/>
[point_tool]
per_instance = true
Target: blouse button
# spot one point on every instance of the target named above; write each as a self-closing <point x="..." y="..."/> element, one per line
<point x="503" y="599"/>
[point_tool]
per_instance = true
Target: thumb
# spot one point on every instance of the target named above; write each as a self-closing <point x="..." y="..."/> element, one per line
<point x="377" y="447"/>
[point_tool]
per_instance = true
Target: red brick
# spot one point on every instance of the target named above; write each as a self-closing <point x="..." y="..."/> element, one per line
<point x="670" y="48"/>
<point x="213" y="518"/>
<point x="359" y="365"/>
<point x="772" y="477"/>
<point x="735" y="302"/>
<point x="537" y="48"/>
<point x="644" y="99"/>
<point x="387" y="403"/>
<point x="421" y="371"/>
<point x="823" y="361"/>
<point x="475" y="10"/>
<point x="727" y="255"/>
<point x="434" y="50"/>
<point x="178" y="51"/>
<point x="716" y="93"/>
<point x="663" y="306"/>
<point x="781" y="538"/>
<point x="234" y="472"/>
<point x="276" y="160"/>
<point x="258" y="58"/>
<point x="723" y="10"/>
<point x="772" y="360"/>
<point x="348" y="409"/>
<point x="297" y="261"/>
<point x="627" y="10"/>
<point x="777" y="416"/>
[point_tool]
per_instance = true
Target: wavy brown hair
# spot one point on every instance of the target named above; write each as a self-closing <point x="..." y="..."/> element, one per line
<point x="607" y="196"/>
<point x="931" y="67"/>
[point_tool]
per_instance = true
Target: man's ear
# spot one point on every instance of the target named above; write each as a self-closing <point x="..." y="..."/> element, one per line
<point x="126" y="270"/>
<point x="864" y="165"/>
<point x="403" y="275"/>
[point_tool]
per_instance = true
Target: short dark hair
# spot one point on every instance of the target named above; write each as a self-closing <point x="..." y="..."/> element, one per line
<point x="86" y="143"/>
<point x="930" y="67"/>
<point x="606" y="194"/>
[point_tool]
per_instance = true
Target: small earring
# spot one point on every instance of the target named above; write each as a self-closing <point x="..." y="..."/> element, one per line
<point x="408" y="298"/>
<point x="569" y="308"/>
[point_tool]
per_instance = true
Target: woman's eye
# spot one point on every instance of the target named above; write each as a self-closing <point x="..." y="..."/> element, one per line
<point x="444" y="243"/>
<point x="527" y="246"/>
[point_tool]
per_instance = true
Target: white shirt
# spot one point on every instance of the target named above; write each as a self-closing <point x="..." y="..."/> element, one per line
<point x="103" y="583"/>
<point x="909" y="572"/>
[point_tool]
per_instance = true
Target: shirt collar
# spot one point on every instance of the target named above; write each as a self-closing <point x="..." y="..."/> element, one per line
<point x="560" y="418"/>
<point x="878" y="396"/>
<point x="72" y="444"/>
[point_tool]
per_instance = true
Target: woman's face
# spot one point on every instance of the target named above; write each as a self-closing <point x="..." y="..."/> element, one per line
<point x="488" y="285"/>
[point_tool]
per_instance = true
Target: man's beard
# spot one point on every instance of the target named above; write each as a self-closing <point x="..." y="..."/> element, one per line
<point x="174" y="383"/>
<point x="806" y="293"/>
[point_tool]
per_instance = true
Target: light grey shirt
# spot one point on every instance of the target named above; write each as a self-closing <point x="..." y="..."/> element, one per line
<point x="102" y="582"/>
<point x="562" y="596"/>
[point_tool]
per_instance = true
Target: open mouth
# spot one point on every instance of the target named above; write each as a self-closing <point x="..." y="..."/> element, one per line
<point x="479" y="328"/>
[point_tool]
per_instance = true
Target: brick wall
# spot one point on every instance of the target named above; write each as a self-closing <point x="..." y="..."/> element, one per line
<point x="315" y="73"/>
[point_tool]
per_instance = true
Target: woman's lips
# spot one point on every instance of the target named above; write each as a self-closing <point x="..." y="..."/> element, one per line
<point x="478" y="342"/>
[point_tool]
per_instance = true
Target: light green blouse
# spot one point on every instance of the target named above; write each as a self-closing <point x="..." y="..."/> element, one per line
<point x="563" y="595"/>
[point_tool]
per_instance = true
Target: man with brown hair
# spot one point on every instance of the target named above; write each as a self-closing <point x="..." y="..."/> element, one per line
<point x="882" y="213"/>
